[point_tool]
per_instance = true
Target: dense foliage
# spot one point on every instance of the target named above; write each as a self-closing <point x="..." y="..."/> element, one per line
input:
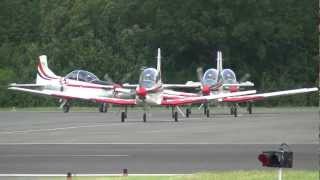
<point x="275" y="41"/>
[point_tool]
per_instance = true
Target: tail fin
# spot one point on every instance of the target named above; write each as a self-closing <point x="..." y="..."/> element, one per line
<point x="159" y="62"/>
<point x="219" y="61"/>
<point x="44" y="73"/>
<point x="219" y="68"/>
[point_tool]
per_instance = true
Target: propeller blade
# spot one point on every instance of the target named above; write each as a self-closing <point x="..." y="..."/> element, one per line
<point x="245" y="77"/>
<point x="107" y="78"/>
<point x="199" y="73"/>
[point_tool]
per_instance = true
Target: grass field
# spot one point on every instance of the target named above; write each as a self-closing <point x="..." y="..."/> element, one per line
<point x="223" y="175"/>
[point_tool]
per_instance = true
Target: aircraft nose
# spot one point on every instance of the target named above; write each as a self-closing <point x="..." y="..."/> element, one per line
<point x="141" y="92"/>
<point x="205" y="90"/>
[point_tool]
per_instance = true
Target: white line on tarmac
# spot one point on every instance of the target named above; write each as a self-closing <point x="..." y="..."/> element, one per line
<point x="160" y="143"/>
<point x="65" y="155"/>
<point x="52" y="129"/>
<point x="85" y="175"/>
<point x="62" y="128"/>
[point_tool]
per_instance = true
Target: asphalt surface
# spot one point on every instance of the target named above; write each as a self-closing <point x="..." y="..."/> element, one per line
<point x="89" y="142"/>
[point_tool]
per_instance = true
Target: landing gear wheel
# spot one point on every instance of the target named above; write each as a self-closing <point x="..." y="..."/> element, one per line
<point x="172" y="112"/>
<point x="235" y="113"/>
<point x="208" y="113"/>
<point x="103" y="108"/>
<point x="144" y="117"/>
<point x="249" y="108"/>
<point x="66" y="108"/>
<point x="231" y="110"/>
<point x="176" y="116"/>
<point x="188" y="112"/>
<point x="123" y="116"/>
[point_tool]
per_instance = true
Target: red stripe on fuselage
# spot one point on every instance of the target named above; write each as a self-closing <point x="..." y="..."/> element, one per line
<point x="242" y="99"/>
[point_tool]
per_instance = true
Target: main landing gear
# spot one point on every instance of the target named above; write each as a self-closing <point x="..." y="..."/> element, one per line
<point x="124" y="114"/>
<point x="234" y="110"/>
<point x="65" y="105"/>
<point x="103" y="107"/>
<point x="66" y="108"/>
<point x="206" y="110"/>
<point x="174" y="114"/>
<point x="144" y="117"/>
<point x="249" y="107"/>
<point x="188" y="112"/>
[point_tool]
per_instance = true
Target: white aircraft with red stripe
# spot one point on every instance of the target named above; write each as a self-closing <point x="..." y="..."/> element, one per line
<point x="78" y="84"/>
<point x="216" y="81"/>
<point x="151" y="91"/>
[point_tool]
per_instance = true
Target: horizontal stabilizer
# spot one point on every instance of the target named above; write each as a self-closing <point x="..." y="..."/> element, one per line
<point x="25" y="85"/>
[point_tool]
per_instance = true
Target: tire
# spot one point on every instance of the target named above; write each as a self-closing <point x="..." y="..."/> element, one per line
<point x="66" y="108"/>
<point x="123" y="116"/>
<point x="208" y="113"/>
<point x="235" y="112"/>
<point x="188" y="112"/>
<point x="231" y="110"/>
<point x="105" y="108"/>
<point x="144" y="117"/>
<point x="176" y="116"/>
<point x="250" y="108"/>
<point x="205" y="110"/>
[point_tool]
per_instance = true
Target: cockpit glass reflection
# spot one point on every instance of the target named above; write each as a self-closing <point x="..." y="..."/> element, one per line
<point x="229" y="76"/>
<point x="148" y="78"/>
<point x="210" y="77"/>
<point x="81" y="75"/>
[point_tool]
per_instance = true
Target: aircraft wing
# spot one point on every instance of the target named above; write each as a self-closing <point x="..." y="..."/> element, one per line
<point x="242" y="84"/>
<point x="130" y="86"/>
<point x="179" y="93"/>
<point x="187" y="85"/>
<point x="256" y="97"/>
<point x="202" y="99"/>
<point x="117" y="101"/>
<point x="25" y="85"/>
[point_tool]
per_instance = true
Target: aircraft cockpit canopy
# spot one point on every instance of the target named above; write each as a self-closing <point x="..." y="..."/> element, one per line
<point x="81" y="75"/>
<point x="210" y="77"/>
<point x="148" y="78"/>
<point x="229" y="76"/>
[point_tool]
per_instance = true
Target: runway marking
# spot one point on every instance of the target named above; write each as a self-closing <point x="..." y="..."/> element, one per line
<point x="52" y="129"/>
<point x="67" y="128"/>
<point x="85" y="175"/>
<point x="173" y="143"/>
<point x="65" y="155"/>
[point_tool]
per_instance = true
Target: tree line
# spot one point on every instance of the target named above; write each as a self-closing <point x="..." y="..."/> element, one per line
<point x="274" y="41"/>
